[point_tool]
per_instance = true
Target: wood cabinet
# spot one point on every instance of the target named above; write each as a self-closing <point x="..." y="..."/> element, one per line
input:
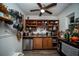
<point x="37" y="23"/>
<point x="47" y="43"/>
<point x="37" y="43"/>
<point x="42" y="43"/>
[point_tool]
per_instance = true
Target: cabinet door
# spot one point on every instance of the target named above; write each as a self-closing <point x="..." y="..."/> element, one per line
<point x="47" y="43"/>
<point x="37" y="43"/>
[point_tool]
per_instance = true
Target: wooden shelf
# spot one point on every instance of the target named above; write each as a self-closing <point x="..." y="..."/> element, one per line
<point x="37" y="23"/>
<point x="4" y="19"/>
<point x="3" y="9"/>
<point x="50" y="25"/>
<point x="8" y="21"/>
<point x="40" y="23"/>
<point x="31" y="26"/>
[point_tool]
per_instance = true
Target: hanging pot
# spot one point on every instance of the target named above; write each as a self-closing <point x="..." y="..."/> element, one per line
<point x="15" y="26"/>
<point x="9" y="22"/>
<point x="20" y="27"/>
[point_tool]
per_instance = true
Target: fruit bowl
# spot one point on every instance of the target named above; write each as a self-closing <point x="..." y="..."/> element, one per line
<point x="74" y="39"/>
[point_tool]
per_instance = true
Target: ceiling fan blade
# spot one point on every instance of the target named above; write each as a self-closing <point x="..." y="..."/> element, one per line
<point x="48" y="12"/>
<point x="39" y="4"/>
<point x="50" y="5"/>
<point x="40" y="14"/>
<point x="34" y="10"/>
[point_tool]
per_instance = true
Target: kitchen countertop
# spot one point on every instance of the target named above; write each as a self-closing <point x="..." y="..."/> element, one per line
<point x="33" y="36"/>
<point x="70" y="43"/>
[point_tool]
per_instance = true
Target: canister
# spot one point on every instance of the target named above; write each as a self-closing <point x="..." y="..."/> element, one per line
<point x="1" y="14"/>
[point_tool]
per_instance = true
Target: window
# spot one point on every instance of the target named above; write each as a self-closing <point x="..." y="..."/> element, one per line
<point x="72" y="19"/>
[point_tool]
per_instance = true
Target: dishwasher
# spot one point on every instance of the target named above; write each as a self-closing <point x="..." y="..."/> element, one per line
<point x="27" y="44"/>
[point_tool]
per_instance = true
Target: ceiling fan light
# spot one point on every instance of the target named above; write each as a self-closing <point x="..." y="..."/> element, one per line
<point x="42" y="10"/>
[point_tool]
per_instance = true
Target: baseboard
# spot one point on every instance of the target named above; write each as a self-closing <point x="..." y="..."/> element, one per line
<point x="27" y="50"/>
<point x="18" y="54"/>
<point x="46" y="49"/>
<point x="38" y="49"/>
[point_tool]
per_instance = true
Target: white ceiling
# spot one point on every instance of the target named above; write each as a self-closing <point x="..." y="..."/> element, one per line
<point x="26" y="7"/>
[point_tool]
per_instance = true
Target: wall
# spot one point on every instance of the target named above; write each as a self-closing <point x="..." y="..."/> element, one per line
<point x="63" y="16"/>
<point x="9" y="45"/>
<point x="42" y="17"/>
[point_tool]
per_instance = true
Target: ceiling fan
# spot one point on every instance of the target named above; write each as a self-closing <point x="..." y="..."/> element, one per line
<point x="44" y="9"/>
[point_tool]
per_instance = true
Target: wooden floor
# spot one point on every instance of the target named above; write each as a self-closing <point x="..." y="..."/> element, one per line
<point x="41" y="53"/>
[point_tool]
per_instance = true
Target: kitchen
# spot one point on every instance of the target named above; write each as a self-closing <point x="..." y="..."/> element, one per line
<point x="35" y="34"/>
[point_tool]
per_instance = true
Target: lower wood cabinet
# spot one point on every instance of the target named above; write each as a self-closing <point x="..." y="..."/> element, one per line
<point x="47" y="43"/>
<point x="42" y="43"/>
<point x="37" y="43"/>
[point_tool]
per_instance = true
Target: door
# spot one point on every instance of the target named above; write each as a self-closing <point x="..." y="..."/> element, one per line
<point x="37" y="43"/>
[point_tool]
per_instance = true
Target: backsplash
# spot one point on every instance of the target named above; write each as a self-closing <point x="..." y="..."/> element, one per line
<point x="40" y="31"/>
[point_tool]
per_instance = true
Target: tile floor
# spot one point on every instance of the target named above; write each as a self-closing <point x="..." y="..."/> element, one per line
<point x="41" y="53"/>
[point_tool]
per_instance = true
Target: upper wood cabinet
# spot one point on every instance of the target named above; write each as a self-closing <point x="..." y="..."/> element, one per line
<point x="37" y="23"/>
<point x="50" y="25"/>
